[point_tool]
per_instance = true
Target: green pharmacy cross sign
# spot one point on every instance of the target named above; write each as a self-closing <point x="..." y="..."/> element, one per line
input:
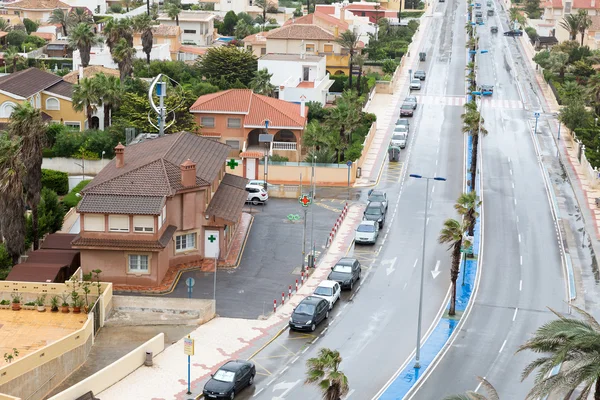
<point x="212" y="238"/>
<point x="305" y="200"/>
<point x="293" y="217"/>
<point x="232" y="164"/>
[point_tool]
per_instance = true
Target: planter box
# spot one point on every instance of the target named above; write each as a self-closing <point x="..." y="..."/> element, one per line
<point x="5" y="306"/>
<point x="28" y="307"/>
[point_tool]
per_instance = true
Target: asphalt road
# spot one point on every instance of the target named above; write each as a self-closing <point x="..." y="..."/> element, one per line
<point x="522" y="272"/>
<point x="375" y="328"/>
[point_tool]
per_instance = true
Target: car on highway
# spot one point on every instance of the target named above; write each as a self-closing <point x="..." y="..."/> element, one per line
<point x="309" y="313"/>
<point x="407" y="110"/>
<point x="477" y="5"/>
<point x="479" y="20"/>
<point x="375" y="211"/>
<point x="367" y="232"/>
<point x="256" y="194"/>
<point x="328" y="290"/>
<point x="345" y="272"/>
<point x="513" y="33"/>
<point x="399" y="137"/>
<point x="494" y="29"/>
<point x="478" y="14"/>
<point x="412" y="100"/>
<point x="378" y="195"/>
<point x="420" y="75"/>
<point x="229" y="380"/>
<point x="415" y="84"/>
<point x="403" y="122"/>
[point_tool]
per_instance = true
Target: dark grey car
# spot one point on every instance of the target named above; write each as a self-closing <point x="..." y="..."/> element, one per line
<point x="375" y="211"/>
<point x="345" y="272"/>
<point x="378" y="196"/>
<point x="309" y="313"/>
<point x="229" y="380"/>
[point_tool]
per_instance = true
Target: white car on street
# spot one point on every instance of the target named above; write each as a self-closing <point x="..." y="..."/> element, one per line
<point x="367" y="232"/>
<point x="256" y="195"/>
<point x="415" y="84"/>
<point x="328" y="290"/>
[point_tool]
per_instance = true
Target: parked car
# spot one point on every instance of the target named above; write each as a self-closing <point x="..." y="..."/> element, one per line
<point x="415" y="84"/>
<point x="367" y="232"/>
<point x="420" y="74"/>
<point x="406" y="110"/>
<point x="489" y="3"/>
<point x="478" y="14"/>
<point x="490" y="12"/>
<point x="477" y="5"/>
<point x="412" y="100"/>
<point x="261" y="183"/>
<point x="380" y="196"/>
<point x="256" y="194"/>
<point x="399" y="139"/>
<point x="328" y="290"/>
<point x="494" y="29"/>
<point x="403" y="122"/>
<point x="345" y="272"/>
<point x="479" y="21"/>
<point x="514" y="33"/>
<point x="309" y="313"/>
<point x="230" y="379"/>
<point x="375" y="211"/>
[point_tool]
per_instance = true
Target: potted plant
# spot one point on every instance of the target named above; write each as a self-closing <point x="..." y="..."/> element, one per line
<point x="30" y="305"/>
<point x="5" y="304"/>
<point x="64" y="307"/>
<point x="54" y="303"/>
<point x="40" y="303"/>
<point x="16" y="301"/>
<point x="76" y="302"/>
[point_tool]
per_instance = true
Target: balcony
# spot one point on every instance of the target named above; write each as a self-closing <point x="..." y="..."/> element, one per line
<point x="285" y="146"/>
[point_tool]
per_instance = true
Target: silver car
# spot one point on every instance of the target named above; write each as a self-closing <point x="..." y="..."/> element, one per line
<point x="367" y="232"/>
<point x="415" y="84"/>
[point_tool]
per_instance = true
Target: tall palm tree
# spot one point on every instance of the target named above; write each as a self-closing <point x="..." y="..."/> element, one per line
<point x="570" y="23"/>
<point x="12" y="57"/>
<point x="143" y="24"/>
<point x="466" y="206"/>
<point x="585" y="21"/>
<point x="85" y="98"/>
<point x="109" y="91"/>
<point x="359" y="59"/>
<point x="59" y="16"/>
<point x="173" y="9"/>
<point x="573" y="343"/>
<point x="349" y="41"/>
<point x="593" y="90"/>
<point x="115" y="30"/>
<point x="452" y="234"/>
<point x="473" y="125"/>
<point x="26" y="123"/>
<point x="83" y="38"/>
<point x="492" y="394"/>
<point x="264" y="6"/>
<point x="4" y="25"/>
<point x="324" y="371"/>
<point x="345" y="117"/>
<point x="79" y="15"/>
<point x="12" y="217"/>
<point x="123" y="54"/>
<point x="127" y="4"/>
<point x="261" y="83"/>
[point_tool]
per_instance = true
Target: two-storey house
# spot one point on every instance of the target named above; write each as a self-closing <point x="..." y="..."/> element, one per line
<point x="157" y="204"/>
<point x="35" y="10"/>
<point x="45" y="91"/>
<point x="163" y="34"/>
<point x="197" y="27"/>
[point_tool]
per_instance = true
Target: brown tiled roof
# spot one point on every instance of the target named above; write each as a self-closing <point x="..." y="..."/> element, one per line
<point x="165" y="30"/>
<point x="58" y="241"/>
<point x="254" y="39"/>
<point x="28" y="82"/>
<point x="62" y="88"/>
<point x="89" y="72"/>
<point x="149" y="245"/>
<point x="586" y="4"/>
<point x="256" y="108"/>
<point x="309" y="19"/>
<point x="121" y="204"/>
<point x="44" y="35"/>
<point x="54" y="256"/>
<point x="34" y="272"/>
<point x="37" y="5"/>
<point x="229" y="199"/>
<point x="301" y="31"/>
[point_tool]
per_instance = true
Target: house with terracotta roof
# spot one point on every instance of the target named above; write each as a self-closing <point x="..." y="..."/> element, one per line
<point x="163" y="34"/>
<point x="89" y="72"/>
<point x="257" y="43"/>
<point x="237" y="117"/>
<point x="362" y="21"/>
<point x="35" y="10"/>
<point x="321" y="19"/>
<point x="158" y="204"/>
<point x="197" y="27"/>
<point x="555" y="10"/>
<point x="45" y="91"/>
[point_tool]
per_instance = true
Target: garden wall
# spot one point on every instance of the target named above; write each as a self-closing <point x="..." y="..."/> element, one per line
<point x="72" y="166"/>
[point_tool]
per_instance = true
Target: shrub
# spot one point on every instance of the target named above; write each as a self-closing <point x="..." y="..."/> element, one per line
<point x="278" y="158"/>
<point x="72" y="199"/>
<point x="16" y="38"/>
<point x="55" y="180"/>
<point x="117" y="8"/>
<point x="30" y="25"/>
<point x="339" y="84"/>
<point x="50" y="216"/>
<point x="89" y="144"/>
<point x="5" y="260"/>
<point x="389" y="66"/>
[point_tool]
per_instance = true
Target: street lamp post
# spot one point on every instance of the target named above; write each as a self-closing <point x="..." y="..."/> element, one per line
<point x="312" y="211"/>
<point x="435" y="178"/>
<point x="537" y="117"/>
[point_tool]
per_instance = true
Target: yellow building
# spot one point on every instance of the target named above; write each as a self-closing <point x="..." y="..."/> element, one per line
<point x="163" y="34"/>
<point x="45" y="91"/>
<point x="35" y="10"/>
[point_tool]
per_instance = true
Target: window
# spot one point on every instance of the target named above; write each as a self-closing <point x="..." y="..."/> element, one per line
<point x="207" y="122"/>
<point x="52" y="103"/>
<point x="74" y="125"/>
<point x="118" y="223"/>
<point x="6" y="109"/>
<point x="568" y="7"/>
<point x="93" y="222"/>
<point x="143" y="223"/>
<point x="234" y="144"/>
<point x="309" y="48"/>
<point x="138" y="263"/>
<point x="249" y="47"/>
<point x="328" y="48"/>
<point x="185" y="242"/>
<point x="162" y="217"/>
<point x="193" y="31"/>
<point x="234" y="123"/>
<point x="263" y="51"/>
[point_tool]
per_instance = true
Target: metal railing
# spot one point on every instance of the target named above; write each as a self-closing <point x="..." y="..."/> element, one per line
<point x="284" y="146"/>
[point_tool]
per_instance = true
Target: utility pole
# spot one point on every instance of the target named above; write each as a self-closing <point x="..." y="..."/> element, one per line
<point x="312" y="210"/>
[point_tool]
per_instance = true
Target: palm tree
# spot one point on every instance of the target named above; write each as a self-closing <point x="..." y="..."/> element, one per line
<point x="26" y="123"/>
<point x="593" y="90"/>
<point x="473" y="125"/>
<point x="572" y="90"/>
<point x="452" y="233"/>
<point x="143" y="24"/>
<point x="4" y="25"/>
<point x="349" y="41"/>
<point x="324" y="371"/>
<point x="466" y="206"/>
<point x="264" y="6"/>
<point x="572" y="343"/>
<point x="83" y="38"/>
<point x="345" y="117"/>
<point x="173" y="9"/>
<point x="585" y="21"/>
<point x="79" y="15"/>
<point x="489" y="388"/>
<point x="127" y="4"/>
<point x="59" y="16"/>
<point x="85" y="98"/>
<point x="12" y="56"/>
<point x="360" y="61"/>
<point x="570" y="23"/>
<point x="12" y="217"/>
<point x="115" y="30"/>
<point x="109" y="92"/>
<point x="123" y="54"/>
<point x="261" y="83"/>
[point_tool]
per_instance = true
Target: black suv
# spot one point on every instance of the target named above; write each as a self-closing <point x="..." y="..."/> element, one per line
<point x="513" y="33"/>
<point x="345" y="272"/>
<point x="375" y="211"/>
<point x="309" y="313"/>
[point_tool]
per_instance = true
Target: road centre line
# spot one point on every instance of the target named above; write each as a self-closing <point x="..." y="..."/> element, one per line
<point x="515" y="314"/>
<point x="324" y="330"/>
<point x="295" y="359"/>
<point x="519" y="238"/>
<point x="257" y="393"/>
<point x="521" y="259"/>
<point x="513" y="185"/>
<point x="502" y="348"/>
<point x="271" y="381"/>
<point x="283" y="370"/>
<point x="433" y="188"/>
<point x="511" y="171"/>
<point x="304" y="351"/>
<point x="415" y="264"/>
<point x="515" y="201"/>
<point x="521" y="285"/>
<point x="479" y="386"/>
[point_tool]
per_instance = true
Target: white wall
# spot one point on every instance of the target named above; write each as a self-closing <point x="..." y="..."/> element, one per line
<point x="283" y="70"/>
<point x="204" y="31"/>
<point x="92" y="5"/>
<point x="71" y="167"/>
<point x="102" y="56"/>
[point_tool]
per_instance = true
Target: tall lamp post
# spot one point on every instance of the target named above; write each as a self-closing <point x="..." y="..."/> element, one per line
<point x="434" y="178"/>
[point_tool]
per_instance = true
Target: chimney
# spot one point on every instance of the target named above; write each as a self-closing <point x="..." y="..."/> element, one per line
<point x="120" y="155"/>
<point x="302" y="106"/>
<point x="336" y="31"/>
<point x="188" y="173"/>
<point x="343" y="14"/>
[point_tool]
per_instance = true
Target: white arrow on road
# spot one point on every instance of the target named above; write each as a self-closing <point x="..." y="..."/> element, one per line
<point x="391" y="263"/>
<point x="436" y="271"/>
<point x="286" y="387"/>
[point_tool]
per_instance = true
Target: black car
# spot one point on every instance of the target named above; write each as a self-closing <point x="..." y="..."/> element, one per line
<point x="513" y="33"/>
<point x="378" y="196"/>
<point x="375" y="212"/>
<point x="309" y="313"/>
<point x="420" y="74"/>
<point x="403" y="122"/>
<point x="345" y="272"/>
<point x="229" y="380"/>
<point x="406" y="110"/>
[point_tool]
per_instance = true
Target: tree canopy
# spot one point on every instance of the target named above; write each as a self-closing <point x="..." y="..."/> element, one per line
<point x="228" y="63"/>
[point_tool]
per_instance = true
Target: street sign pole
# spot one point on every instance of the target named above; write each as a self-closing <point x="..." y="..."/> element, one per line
<point x="188" y="349"/>
<point x="537" y="116"/>
<point x="190" y="282"/>
<point x="303" y="233"/>
<point x="349" y="164"/>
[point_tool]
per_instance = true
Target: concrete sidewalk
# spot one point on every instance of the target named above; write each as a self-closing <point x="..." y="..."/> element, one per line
<point x="224" y="338"/>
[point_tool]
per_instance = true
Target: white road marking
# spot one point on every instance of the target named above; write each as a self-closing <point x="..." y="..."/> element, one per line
<point x="511" y="171"/>
<point x="521" y="285"/>
<point x="521" y="259"/>
<point x="427" y="222"/>
<point x="295" y="359"/>
<point x="257" y="393"/>
<point x="338" y="314"/>
<point x="508" y="159"/>
<point x="385" y="237"/>
<point x="405" y="284"/>
<point x="433" y="189"/>
<point x="513" y="185"/>
<point x="304" y="351"/>
<point x="515" y="202"/>
<point x="271" y="381"/>
<point x="515" y="314"/>
<point x="324" y="330"/>
<point x="283" y="370"/>
<point x="517" y="219"/>
<point x="415" y="264"/>
<point x="349" y="394"/>
<point x="478" y="386"/>
<point x="519" y="238"/>
<point x="502" y="348"/>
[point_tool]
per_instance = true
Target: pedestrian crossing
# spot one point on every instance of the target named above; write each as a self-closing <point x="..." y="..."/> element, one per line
<point x="459" y="101"/>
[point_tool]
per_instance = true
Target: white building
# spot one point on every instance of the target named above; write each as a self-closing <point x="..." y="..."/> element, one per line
<point x="197" y="27"/>
<point x="298" y="78"/>
<point x="101" y="55"/>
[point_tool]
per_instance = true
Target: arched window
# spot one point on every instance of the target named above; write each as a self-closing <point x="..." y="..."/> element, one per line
<point x="6" y="109"/>
<point x="52" y="103"/>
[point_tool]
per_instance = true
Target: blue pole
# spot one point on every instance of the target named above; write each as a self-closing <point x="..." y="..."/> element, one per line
<point x="536" y="121"/>
<point x="189" y="375"/>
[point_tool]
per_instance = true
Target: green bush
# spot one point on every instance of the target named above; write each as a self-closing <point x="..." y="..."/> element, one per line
<point x="30" y="25"/>
<point x="117" y="8"/>
<point x="48" y="153"/>
<point x="5" y="261"/>
<point x="412" y="14"/>
<point x="278" y="158"/>
<point x="72" y="199"/>
<point x="55" y="180"/>
<point x="90" y="143"/>
<point x="50" y="216"/>
<point x="339" y="84"/>
<point x="16" y="38"/>
<point x="389" y="66"/>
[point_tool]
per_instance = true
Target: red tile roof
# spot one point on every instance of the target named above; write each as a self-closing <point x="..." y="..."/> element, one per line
<point x="255" y="107"/>
<point x="259" y="37"/>
<point x="301" y="31"/>
<point x="309" y="19"/>
<point x="251" y="154"/>
<point x="229" y="199"/>
<point x="38" y="5"/>
<point x="325" y="8"/>
<point x="306" y="84"/>
<point x="193" y="50"/>
<point x="586" y="4"/>
<point x="44" y="35"/>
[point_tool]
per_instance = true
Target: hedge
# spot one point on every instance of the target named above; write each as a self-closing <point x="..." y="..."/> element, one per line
<point x="72" y="199"/>
<point x="55" y="180"/>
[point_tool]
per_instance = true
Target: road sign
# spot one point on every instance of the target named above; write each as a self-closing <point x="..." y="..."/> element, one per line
<point x="190" y="282"/>
<point x="349" y="164"/>
<point x="305" y="200"/>
<point x="188" y="346"/>
<point x="467" y="250"/>
<point x="536" y="114"/>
